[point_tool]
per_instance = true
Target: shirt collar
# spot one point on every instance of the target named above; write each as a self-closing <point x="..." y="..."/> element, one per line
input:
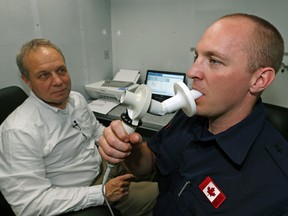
<point x="237" y="140"/>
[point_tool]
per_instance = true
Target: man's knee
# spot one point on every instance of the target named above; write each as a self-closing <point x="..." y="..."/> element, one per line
<point x="140" y="200"/>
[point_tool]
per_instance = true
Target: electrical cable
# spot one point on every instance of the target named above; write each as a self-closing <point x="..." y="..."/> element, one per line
<point x="104" y="181"/>
<point x="127" y="122"/>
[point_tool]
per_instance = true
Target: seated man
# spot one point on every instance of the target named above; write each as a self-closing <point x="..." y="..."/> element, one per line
<point x="48" y="146"/>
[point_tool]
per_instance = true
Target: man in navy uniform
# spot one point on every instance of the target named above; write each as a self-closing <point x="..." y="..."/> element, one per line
<point x="228" y="159"/>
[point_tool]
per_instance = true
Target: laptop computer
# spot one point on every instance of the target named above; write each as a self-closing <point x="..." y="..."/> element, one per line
<point x="161" y="83"/>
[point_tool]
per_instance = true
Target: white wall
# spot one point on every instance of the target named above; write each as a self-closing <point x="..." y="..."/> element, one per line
<point x="143" y="34"/>
<point x="158" y="34"/>
<point x="80" y="28"/>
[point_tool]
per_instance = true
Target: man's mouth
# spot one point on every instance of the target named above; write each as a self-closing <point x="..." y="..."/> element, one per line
<point x="60" y="91"/>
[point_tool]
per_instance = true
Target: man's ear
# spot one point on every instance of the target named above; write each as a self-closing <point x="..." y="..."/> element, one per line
<point x="261" y="79"/>
<point x="26" y="81"/>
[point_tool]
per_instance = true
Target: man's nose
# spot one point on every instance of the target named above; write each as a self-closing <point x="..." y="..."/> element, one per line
<point x="56" y="79"/>
<point x="195" y="69"/>
<point x="192" y="71"/>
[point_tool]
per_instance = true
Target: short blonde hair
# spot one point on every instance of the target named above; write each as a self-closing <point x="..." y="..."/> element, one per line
<point x="33" y="45"/>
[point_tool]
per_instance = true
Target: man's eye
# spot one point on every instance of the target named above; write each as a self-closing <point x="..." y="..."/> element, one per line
<point x="43" y="75"/>
<point x="195" y="58"/>
<point x="214" y="61"/>
<point x="62" y="71"/>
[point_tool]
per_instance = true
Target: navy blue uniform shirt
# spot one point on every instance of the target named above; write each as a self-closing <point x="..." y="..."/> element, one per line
<point x="241" y="171"/>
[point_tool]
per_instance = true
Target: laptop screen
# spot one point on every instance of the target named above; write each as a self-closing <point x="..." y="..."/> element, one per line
<point x="161" y="83"/>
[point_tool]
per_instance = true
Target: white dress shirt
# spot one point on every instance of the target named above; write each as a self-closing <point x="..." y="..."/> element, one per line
<point x="49" y="158"/>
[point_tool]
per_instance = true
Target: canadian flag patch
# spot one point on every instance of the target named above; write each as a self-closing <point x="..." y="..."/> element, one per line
<point x="212" y="192"/>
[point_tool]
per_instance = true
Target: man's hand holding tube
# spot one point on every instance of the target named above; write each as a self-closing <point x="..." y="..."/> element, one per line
<point x="116" y="145"/>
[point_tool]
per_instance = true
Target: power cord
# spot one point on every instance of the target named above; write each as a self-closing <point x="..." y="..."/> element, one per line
<point x="128" y="121"/>
<point x="105" y="178"/>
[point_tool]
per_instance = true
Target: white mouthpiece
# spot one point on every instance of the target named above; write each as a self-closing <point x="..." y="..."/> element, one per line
<point x="184" y="99"/>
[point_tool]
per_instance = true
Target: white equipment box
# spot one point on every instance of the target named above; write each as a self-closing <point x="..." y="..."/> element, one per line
<point x="123" y="80"/>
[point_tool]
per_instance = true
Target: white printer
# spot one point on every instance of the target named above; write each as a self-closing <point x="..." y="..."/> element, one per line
<point x="123" y="80"/>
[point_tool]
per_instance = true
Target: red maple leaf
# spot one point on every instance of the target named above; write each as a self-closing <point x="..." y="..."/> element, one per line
<point x="211" y="191"/>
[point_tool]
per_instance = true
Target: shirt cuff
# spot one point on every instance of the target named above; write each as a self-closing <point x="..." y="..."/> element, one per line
<point x="95" y="196"/>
